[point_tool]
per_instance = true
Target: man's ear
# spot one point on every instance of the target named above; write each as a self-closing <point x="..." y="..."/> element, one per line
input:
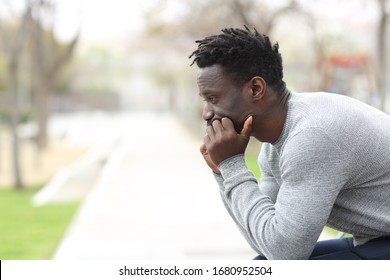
<point x="258" y="87"/>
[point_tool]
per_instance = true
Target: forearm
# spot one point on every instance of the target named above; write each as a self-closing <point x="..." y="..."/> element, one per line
<point x="240" y="212"/>
<point x="287" y="229"/>
<point x="220" y="181"/>
<point x="288" y="226"/>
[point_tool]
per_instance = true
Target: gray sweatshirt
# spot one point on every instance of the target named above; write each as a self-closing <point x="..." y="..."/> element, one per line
<point x="330" y="166"/>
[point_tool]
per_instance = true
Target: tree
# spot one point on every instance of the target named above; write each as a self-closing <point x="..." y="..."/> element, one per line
<point x="202" y="18"/>
<point x="382" y="58"/>
<point x="48" y="56"/>
<point x="13" y="43"/>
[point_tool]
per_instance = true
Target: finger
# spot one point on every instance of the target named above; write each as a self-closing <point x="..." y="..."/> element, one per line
<point x="203" y="151"/>
<point x="209" y="162"/>
<point x="206" y="139"/>
<point x="217" y="126"/>
<point x="247" y="129"/>
<point x="227" y="124"/>
<point x="210" y="132"/>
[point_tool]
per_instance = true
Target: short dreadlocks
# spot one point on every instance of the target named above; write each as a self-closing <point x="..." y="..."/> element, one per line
<point x="243" y="54"/>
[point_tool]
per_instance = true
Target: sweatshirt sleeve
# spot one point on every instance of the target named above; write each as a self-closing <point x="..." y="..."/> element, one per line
<point x="220" y="180"/>
<point x="311" y="167"/>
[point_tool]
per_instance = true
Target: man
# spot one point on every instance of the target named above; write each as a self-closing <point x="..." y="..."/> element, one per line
<point x="325" y="158"/>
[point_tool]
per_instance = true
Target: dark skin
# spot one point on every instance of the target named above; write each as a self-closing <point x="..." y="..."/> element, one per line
<point x="234" y="113"/>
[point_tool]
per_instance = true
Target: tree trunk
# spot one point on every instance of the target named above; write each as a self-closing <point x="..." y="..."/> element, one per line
<point x="13" y="110"/>
<point x="48" y="57"/>
<point x="382" y="73"/>
<point x="14" y="48"/>
<point x="42" y="113"/>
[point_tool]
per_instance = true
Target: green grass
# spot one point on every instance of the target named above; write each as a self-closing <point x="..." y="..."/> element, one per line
<point x="251" y="162"/>
<point x="28" y="232"/>
<point x="335" y="232"/>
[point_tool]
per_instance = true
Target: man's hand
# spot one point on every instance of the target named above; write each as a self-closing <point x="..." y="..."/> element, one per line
<point x="208" y="160"/>
<point x="222" y="141"/>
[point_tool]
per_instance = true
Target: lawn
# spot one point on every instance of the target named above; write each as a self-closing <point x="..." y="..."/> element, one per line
<point x="28" y="232"/>
<point x="251" y="162"/>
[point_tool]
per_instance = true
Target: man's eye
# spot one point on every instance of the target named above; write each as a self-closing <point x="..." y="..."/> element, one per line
<point x="211" y="99"/>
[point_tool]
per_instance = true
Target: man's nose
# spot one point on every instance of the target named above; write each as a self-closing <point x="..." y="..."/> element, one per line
<point x="207" y="113"/>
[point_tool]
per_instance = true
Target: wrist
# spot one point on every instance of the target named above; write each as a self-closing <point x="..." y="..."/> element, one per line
<point x="231" y="161"/>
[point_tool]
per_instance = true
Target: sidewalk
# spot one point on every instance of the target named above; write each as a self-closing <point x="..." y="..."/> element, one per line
<point x="155" y="199"/>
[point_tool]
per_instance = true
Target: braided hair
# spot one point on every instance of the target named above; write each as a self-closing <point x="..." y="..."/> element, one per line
<point x="243" y="54"/>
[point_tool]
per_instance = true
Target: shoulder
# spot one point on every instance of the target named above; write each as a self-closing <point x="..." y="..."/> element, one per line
<point x="322" y="117"/>
<point x="310" y="138"/>
<point x="312" y="155"/>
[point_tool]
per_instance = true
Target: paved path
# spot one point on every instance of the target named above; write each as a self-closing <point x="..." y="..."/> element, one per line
<point x="154" y="200"/>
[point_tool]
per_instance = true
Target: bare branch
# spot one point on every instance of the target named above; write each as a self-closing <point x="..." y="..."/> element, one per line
<point x="16" y="46"/>
<point x="63" y="56"/>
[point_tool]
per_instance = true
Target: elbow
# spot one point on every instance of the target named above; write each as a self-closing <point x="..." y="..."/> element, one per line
<point x="276" y="243"/>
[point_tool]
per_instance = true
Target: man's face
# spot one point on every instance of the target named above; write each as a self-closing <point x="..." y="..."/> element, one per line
<point x="222" y="96"/>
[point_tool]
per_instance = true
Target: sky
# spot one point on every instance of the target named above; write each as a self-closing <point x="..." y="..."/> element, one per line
<point x="104" y="19"/>
<point x="100" y="19"/>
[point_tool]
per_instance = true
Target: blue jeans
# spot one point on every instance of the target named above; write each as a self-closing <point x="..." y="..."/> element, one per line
<point x="343" y="249"/>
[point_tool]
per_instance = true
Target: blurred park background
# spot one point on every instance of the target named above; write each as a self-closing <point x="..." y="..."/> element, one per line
<point x="98" y="102"/>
